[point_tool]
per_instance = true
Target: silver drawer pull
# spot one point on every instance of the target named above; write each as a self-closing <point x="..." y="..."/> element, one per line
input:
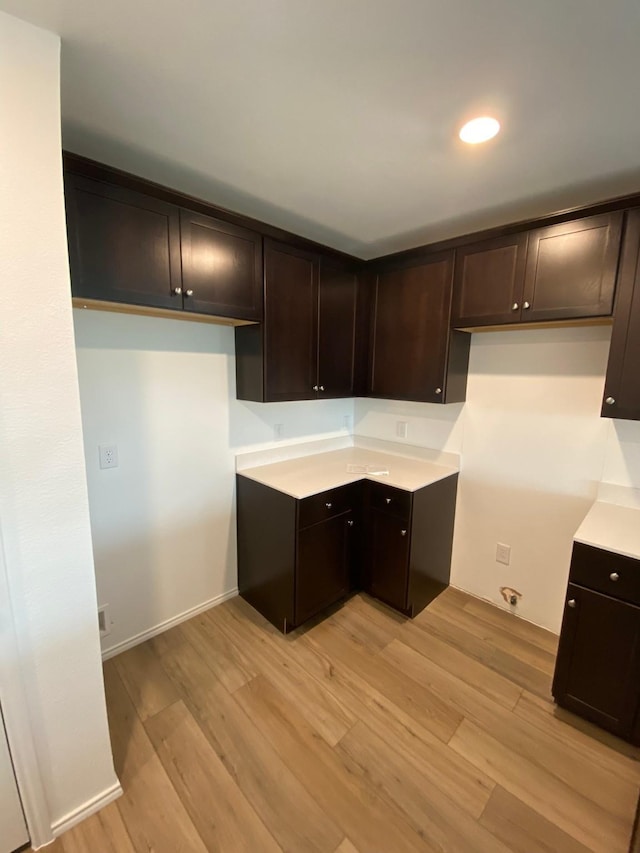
<point x="571" y="602"/>
<point x="388" y="500"/>
<point x="403" y="533"/>
<point x="614" y="576"/>
<point x="350" y="523"/>
<point x="328" y="505"/>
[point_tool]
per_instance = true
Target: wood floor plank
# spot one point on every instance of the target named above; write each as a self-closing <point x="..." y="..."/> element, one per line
<point x="323" y="711"/>
<point x="526" y="631"/>
<point x="435" y="816"/>
<point x="478" y="645"/>
<point x="147" y="685"/>
<point x="150" y="808"/>
<point x="227" y="823"/>
<point x="356" y="805"/>
<point x="605" y="749"/>
<point x="292" y="816"/>
<point x="505" y="638"/>
<point x="171" y="639"/>
<point x="613" y="793"/>
<point x="522" y="829"/>
<point x="422" y="704"/>
<point x="474" y="673"/>
<point x="104" y="831"/>
<point x="453" y="775"/>
<point x="229" y="661"/>
<point x="334" y="738"/>
<point x="576" y="815"/>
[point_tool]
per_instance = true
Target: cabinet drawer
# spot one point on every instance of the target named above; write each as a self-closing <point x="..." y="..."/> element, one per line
<point x="325" y="505"/>
<point x="606" y="572"/>
<point x="391" y="500"/>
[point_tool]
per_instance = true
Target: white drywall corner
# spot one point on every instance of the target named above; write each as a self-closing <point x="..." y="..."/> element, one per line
<point x="44" y="513"/>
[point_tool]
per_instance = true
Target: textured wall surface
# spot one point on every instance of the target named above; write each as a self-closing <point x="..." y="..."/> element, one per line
<point x="44" y="509"/>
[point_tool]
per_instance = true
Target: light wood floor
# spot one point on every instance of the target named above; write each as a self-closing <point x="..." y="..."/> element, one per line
<point x="364" y="733"/>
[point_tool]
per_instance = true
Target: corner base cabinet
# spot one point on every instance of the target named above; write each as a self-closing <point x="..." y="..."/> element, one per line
<point x="296" y="557"/>
<point x="598" y="666"/>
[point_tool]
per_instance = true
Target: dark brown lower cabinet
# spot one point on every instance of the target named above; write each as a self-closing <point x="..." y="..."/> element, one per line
<point x="298" y="557"/>
<point x="322" y="565"/>
<point x="598" y="666"/>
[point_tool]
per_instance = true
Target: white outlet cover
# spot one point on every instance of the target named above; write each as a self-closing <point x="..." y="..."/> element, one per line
<point x="503" y="553"/>
<point x="402" y="428"/>
<point x="278" y="430"/>
<point x="108" y="455"/>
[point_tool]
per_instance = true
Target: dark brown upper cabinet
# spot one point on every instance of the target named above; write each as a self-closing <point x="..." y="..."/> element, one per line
<point x="571" y="269"/>
<point x="132" y="248"/>
<point x="621" y="397"/>
<point x="124" y="246"/>
<point x="221" y="267"/>
<point x="560" y="272"/>
<point x="488" y="282"/>
<point x="305" y="348"/>
<point x="337" y="311"/>
<point x="413" y="353"/>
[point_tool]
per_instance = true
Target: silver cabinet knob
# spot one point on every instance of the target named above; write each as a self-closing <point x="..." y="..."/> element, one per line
<point x="526" y="306"/>
<point x="387" y="500"/>
<point x="350" y="523"/>
<point x="515" y="306"/>
<point x="322" y="387"/>
<point x="610" y="401"/>
<point x="614" y="576"/>
<point x="438" y="390"/>
<point x="177" y="291"/>
<point x="571" y="602"/>
<point x="188" y="293"/>
<point x="403" y="533"/>
<point x="328" y="504"/>
<point x="315" y="387"/>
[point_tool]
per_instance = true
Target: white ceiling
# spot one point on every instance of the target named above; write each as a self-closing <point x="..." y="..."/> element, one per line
<point x="338" y="119"/>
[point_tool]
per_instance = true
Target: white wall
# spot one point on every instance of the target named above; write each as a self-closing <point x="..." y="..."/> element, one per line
<point x="164" y="521"/>
<point x="44" y="512"/>
<point x="532" y="447"/>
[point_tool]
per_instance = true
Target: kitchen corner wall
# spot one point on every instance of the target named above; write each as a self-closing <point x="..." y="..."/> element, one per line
<point x="533" y="449"/>
<point x="163" y="521"/>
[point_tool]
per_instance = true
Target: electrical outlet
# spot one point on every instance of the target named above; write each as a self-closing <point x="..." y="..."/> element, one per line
<point x="104" y="622"/>
<point x="278" y="431"/>
<point x="402" y="428"/>
<point x="503" y="553"/>
<point x="108" y="455"/>
<point x="346" y="422"/>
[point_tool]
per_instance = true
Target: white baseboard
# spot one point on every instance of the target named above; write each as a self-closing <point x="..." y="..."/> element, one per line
<point x="112" y="651"/>
<point x="90" y="807"/>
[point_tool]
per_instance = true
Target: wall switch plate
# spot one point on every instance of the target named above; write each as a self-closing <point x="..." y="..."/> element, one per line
<point x="402" y="428"/>
<point x="104" y="622"/>
<point x="108" y="455"/>
<point x="503" y="553"/>
<point x="278" y="431"/>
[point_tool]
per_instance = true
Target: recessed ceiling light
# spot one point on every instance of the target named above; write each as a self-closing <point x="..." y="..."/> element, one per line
<point x="479" y="130"/>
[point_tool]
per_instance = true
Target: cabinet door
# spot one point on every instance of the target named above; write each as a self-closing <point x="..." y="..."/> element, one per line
<point x="622" y="385"/>
<point x="221" y="267"/>
<point x="598" y="666"/>
<point x="290" y="323"/>
<point x="337" y="297"/>
<point x="489" y="277"/>
<point x="322" y="566"/>
<point x="411" y="330"/>
<point x="388" y="542"/>
<point x="124" y="246"/>
<point x="571" y="269"/>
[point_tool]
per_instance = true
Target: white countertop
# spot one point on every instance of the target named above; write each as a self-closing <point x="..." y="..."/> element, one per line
<point x="309" y="475"/>
<point x="612" y="527"/>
